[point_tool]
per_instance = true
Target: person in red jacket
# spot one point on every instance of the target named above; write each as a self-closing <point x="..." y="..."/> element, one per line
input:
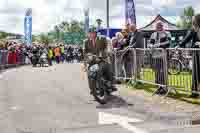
<point x="10" y="56"/>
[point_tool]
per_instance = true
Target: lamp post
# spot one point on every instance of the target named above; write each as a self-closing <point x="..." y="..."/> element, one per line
<point x="107" y="12"/>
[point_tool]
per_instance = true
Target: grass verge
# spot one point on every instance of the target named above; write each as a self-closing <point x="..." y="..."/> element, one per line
<point x="182" y="96"/>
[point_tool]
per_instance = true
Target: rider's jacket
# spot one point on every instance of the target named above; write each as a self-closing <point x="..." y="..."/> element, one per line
<point x="99" y="47"/>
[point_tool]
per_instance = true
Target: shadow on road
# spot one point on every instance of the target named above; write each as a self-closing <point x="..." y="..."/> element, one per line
<point x="115" y="102"/>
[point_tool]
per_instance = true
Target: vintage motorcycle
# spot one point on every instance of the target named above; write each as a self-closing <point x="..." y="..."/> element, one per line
<point x="97" y="81"/>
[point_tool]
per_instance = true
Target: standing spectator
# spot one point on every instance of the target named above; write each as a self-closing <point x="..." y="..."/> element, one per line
<point x="12" y="56"/>
<point x="62" y="48"/>
<point x="4" y="57"/>
<point x="125" y="33"/>
<point x="135" y="37"/>
<point x="134" y="40"/>
<point x="24" y="49"/>
<point x="194" y="36"/>
<point x="1" y="51"/>
<point x="114" y="42"/>
<point x="57" y="54"/>
<point x="160" y="39"/>
<point x="18" y="55"/>
<point x="120" y="41"/>
<point x="50" y="56"/>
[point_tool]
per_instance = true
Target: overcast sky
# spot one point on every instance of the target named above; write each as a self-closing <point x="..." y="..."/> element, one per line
<point x="47" y="13"/>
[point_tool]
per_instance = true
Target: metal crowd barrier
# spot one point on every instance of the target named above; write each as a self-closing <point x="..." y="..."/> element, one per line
<point x="7" y="62"/>
<point x="176" y="69"/>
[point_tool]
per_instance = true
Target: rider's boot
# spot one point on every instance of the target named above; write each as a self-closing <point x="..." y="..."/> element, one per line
<point x="114" y="88"/>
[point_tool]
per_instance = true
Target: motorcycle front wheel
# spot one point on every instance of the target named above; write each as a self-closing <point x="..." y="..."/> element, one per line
<point x="100" y="94"/>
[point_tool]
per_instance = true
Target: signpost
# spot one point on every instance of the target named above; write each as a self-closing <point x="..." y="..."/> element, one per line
<point x="74" y="38"/>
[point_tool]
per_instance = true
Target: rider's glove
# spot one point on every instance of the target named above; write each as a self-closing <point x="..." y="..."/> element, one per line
<point x="150" y="46"/>
<point x="156" y="45"/>
<point x="197" y="43"/>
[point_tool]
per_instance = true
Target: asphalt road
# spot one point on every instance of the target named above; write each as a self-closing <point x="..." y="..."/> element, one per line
<point x="57" y="100"/>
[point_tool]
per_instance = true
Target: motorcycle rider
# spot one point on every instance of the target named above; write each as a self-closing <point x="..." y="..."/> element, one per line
<point x="97" y="45"/>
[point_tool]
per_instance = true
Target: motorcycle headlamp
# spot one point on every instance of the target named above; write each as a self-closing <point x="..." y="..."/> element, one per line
<point x="94" y="68"/>
<point x="90" y="57"/>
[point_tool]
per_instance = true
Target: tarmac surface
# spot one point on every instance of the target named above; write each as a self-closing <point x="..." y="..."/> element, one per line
<point x="56" y="100"/>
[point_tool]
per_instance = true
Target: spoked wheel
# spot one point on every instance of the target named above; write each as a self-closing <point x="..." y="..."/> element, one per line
<point x="100" y="94"/>
<point x="174" y="67"/>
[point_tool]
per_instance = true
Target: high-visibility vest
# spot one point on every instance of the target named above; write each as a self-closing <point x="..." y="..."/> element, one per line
<point x="62" y="50"/>
<point x="50" y="53"/>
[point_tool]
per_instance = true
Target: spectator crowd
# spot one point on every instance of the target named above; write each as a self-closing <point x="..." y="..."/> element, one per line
<point x="13" y="53"/>
<point x="161" y="38"/>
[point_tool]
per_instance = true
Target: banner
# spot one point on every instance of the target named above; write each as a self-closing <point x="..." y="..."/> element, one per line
<point x="87" y="19"/>
<point x="130" y="12"/>
<point x="28" y="27"/>
<point x="74" y="38"/>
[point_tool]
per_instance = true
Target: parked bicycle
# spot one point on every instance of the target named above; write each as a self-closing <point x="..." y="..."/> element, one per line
<point x="179" y="61"/>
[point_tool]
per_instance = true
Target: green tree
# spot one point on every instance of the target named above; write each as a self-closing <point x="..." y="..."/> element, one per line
<point x="76" y="26"/>
<point x="3" y="35"/>
<point x="65" y="26"/>
<point x="186" y="18"/>
<point x="36" y="38"/>
<point x="45" y="39"/>
<point x="57" y="32"/>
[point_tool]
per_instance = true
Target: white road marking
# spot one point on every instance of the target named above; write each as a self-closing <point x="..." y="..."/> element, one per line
<point x="123" y="121"/>
<point x="131" y="128"/>
<point x="7" y="72"/>
<point x="1" y="76"/>
<point x="14" y="108"/>
<point x="106" y="118"/>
